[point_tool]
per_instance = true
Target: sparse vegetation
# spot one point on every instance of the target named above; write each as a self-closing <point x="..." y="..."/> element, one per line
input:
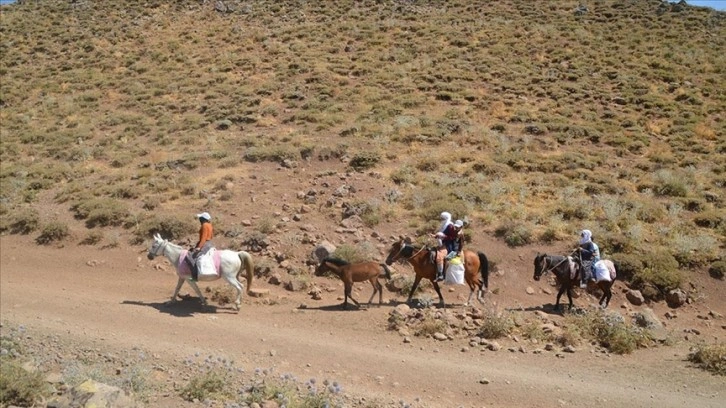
<point x="710" y="357"/>
<point x="610" y="331"/>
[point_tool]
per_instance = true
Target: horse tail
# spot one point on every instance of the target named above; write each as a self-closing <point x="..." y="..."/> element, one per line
<point x="249" y="268"/>
<point x="484" y="268"/>
<point x="387" y="271"/>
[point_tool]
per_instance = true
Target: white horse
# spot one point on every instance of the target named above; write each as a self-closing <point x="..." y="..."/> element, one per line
<point x="230" y="267"/>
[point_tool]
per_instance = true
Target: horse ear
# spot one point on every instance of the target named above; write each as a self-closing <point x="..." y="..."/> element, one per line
<point x="157" y="236"/>
<point x="408" y="240"/>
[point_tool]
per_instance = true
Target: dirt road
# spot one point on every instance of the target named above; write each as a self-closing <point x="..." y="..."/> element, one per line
<point x="116" y="298"/>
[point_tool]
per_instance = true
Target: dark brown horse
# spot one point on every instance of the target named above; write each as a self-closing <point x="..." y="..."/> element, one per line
<point x="476" y="269"/>
<point x="357" y="272"/>
<point x="567" y="271"/>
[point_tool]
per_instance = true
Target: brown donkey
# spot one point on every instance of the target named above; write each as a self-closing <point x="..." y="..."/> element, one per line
<point x="357" y="272"/>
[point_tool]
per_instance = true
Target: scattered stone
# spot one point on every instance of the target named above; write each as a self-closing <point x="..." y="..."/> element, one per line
<point x="569" y="349"/>
<point x="494" y="346"/>
<point x="484" y="381"/>
<point x="530" y="290"/>
<point x="635" y="297"/>
<point x="676" y="298"/>
<point x="440" y="336"/>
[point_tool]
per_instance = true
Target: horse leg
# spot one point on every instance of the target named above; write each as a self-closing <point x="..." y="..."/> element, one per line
<point x="608" y="295"/>
<point x="179" y="284"/>
<point x="232" y="280"/>
<point x="559" y="295"/>
<point x="348" y="290"/>
<point x="441" y="297"/>
<point x="416" y="281"/>
<point x="198" y="292"/>
<point x="376" y="288"/>
<point x="569" y="296"/>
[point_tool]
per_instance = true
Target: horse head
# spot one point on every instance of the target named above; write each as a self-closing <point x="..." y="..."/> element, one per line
<point x="540" y="262"/>
<point x="400" y="250"/>
<point x="156" y="246"/>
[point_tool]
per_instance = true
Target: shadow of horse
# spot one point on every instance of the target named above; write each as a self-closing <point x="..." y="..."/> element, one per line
<point x="187" y="307"/>
<point x="548" y="308"/>
<point x="341" y="307"/>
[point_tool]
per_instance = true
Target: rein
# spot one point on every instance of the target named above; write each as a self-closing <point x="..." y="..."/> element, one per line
<point x="546" y="271"/>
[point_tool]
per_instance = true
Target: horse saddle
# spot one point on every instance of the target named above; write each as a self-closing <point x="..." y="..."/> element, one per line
<point x="207" y="264"/>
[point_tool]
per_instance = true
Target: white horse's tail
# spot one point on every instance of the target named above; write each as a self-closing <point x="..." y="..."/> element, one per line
<point x="248" y="266"/>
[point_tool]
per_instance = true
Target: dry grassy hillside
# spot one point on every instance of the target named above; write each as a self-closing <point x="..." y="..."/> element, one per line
<point x="532" y="119"/>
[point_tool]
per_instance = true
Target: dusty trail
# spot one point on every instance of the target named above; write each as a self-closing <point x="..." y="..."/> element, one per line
<point x="118" y="300"/>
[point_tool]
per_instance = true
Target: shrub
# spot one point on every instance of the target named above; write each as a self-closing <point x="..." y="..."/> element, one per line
<point x="355" y="253"/>
<point x="24" y="222"/>
<point x="661" y="271"/>
<point x="20" y="387"/>
<point x="101" y="212"/>
<point x="93" y="238"/>
<point x="710" y="357"/>
<point x="495" y="326"/>
<point x="210" y="384"/>
<point x="167" y="226"/>
<point x="610" y="331"/>
<point x="710" y="219"/>
<point x="718" y="270"/>
<point x="51" y="232"/>
<point x="627" y="265"/>
<point x="514" y="234"/>
<point x="364" y="160"/>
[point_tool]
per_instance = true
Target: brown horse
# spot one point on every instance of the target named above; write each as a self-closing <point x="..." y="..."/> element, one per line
<point x="476" y="269"/>
<point x="567" y="271"/>
<point x="357" y="272"/>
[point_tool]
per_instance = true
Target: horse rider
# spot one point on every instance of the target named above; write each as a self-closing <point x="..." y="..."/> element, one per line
<point x="454" y="239"/>
<point x="441" y="249"/>
<point x="203" y="245"/>
<point x="589" y="255"/>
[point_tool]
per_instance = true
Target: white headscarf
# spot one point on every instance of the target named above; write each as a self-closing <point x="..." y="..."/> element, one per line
<point x="585" y="236"/>
<point x="445" y="221"/>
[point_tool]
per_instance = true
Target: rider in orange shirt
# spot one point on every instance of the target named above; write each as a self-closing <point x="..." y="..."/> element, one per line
<point x="203" y="245"/>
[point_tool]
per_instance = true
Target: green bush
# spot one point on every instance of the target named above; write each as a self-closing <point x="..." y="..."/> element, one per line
<point x="718" y="270"/>
<point x="610" y="331"/>
<point x="514" y="234"/>
<point x="51" y="232"/>
<point x="710" y="219"/>
<point x="364" y="160"/>
<point x="208" y="385"/>
<point x="495" y="326"/>
<point x="169" y="227"/>
<point x="24" y="222"/>
<point x="101" y="212"/>
<point x="711" y="357"/>
<point x="19" y="387"/>
<point x="627" y="265"/>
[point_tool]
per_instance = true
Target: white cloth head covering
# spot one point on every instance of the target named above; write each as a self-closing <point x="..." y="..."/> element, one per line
<point x="445" y="221"/>
<point x="204" y="215"/>
<point x="585" y="236"/>
<point x="458" y="223"/>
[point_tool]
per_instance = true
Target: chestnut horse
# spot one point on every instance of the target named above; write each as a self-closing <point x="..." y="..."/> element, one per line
<point x="476" y="269"/>
<point x="357" y="272"/>
<point x="567" y="270"/>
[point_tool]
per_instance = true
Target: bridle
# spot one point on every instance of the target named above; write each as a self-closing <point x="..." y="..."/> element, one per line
<point x="156" y="249"/>
<point x="404" y="246"/>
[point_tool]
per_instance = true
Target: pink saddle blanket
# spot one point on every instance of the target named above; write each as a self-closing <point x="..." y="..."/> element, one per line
<point x="208" y="264"/>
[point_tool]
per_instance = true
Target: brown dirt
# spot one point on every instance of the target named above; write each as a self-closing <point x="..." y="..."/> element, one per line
<point x="113" y="299"/>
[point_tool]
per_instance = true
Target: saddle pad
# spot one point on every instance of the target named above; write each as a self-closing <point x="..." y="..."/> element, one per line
<point x="573" y="267"/>
<point x="208" y="265"/>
